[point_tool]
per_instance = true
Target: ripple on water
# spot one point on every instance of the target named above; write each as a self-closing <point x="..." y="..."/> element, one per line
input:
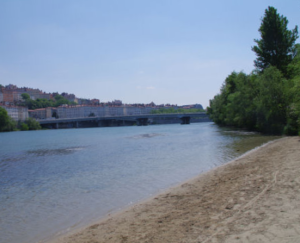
<point x="47" y="152"/>
<point x="146" y="135"/>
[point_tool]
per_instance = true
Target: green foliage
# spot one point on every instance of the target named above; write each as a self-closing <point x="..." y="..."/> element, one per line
<point x="6" y="122"/>
<point x="172" y="110"/>
<point x="33" y="124"/>
<point x="24" y="127"/>
<point x="294" y="66"/>
<point x="234" y="106"/>
<point x="269" y="100"/>
<point x="43" y="103"/>
<point x="3" y="118"/>
<point x="277" y="44"/>
<point x="25" y="96"/>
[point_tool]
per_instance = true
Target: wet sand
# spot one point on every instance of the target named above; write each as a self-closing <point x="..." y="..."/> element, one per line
<point x="254" y="198"/>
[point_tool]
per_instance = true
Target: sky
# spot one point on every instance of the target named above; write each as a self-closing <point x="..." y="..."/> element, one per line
<point x="138" y="51"/>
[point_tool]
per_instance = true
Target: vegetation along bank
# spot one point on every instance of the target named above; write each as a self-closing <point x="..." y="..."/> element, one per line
<point x="268" y="99"/>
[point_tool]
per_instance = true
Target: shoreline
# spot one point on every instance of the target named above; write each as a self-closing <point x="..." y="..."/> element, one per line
<point x="206" y="207"/>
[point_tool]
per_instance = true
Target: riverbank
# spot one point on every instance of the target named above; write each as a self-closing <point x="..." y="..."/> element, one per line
<point x="252" y="199"/>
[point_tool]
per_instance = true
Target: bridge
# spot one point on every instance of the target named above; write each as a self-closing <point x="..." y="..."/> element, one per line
<point x="106" y="121"/>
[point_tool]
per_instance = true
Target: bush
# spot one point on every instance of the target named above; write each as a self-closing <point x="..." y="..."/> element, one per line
<point x="24" y="127"/>
<point x="33" y="124"/>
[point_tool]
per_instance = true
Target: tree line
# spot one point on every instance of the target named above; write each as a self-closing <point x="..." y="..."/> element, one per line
<point x="268" y="99"/>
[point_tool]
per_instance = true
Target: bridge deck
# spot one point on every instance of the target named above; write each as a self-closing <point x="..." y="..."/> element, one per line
<point x="128" y="117"/>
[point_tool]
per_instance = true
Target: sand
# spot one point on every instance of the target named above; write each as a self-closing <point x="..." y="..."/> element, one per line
<point x="255" y="198"/>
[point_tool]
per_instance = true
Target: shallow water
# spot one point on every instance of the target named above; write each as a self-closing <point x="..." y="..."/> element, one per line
<point x="55" y="180"/>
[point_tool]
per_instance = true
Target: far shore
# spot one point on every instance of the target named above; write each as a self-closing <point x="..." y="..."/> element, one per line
<point x="254" y="198"/>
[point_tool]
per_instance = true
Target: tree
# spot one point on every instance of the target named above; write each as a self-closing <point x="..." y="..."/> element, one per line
<point x="4" y="119"/>
<point x="25" y="96"/>
<point x="33" y="124"/>
<point x="277" y="44"/>
<point x="6" y="123"/>
<point x="24" y="127"/>
<point x="271" y="101"/>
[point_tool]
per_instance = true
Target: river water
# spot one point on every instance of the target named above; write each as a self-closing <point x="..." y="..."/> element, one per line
<point x="53" y="181"/>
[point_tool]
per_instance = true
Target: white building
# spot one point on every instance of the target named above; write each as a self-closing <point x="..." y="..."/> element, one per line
<point x="77" y="111"/>
<point x="66" y="111"/>
<point x="137" y="110"/>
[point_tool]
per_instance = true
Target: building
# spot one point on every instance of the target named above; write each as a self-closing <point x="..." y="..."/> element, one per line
<point x="70" y="97"/>
<point x="76" y="111"/>
<point x="117" y="102"/>
<point x="1" y="96"/>
<point x="193" y="106"/>
<point x="42" y="113"/>
<point x="8" y="95"/>
<point x="17" y="113"/>
<point x="73" y="111"/>
<point x="22" y="113"/>
<point x="11" y="93"/>
<point x="95" y="101"/>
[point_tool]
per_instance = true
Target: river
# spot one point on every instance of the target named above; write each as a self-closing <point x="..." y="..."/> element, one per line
<point x="52" y="181"/>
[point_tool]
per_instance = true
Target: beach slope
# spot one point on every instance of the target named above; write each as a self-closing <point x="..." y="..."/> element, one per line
<point x="252" y="199"/>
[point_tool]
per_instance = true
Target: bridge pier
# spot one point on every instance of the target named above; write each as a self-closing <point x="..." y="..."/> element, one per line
<point x="105" y="123"/>
<point x="142" y="121"/>
<point x="185" y="120"/>
<point x="56" y="125"/>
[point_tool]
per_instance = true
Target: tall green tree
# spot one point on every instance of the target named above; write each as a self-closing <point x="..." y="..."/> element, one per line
<point x="277" y="44"/>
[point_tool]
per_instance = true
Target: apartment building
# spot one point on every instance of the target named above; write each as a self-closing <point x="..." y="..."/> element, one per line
<point x="66" y="111"/>
<point x="94" y="110"/>
<point x="22" y="113"/>
<point x="12" y="93"/>
<point x="1" y="95"/>
<point x="17" y="113"/>
<point x="114" y="111"/>
<point x="137" y="110"/>
<point x="8" y="95"/>
<point x="70" y="97"/>
<point x="95" y="101"/>
<point x="42" y="113"/>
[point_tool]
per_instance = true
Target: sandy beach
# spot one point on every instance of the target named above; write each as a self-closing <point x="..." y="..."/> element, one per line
<point x="254" y="198"/>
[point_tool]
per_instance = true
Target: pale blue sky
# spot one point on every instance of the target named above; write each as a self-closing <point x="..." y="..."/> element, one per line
<point x="165" y="51"/>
